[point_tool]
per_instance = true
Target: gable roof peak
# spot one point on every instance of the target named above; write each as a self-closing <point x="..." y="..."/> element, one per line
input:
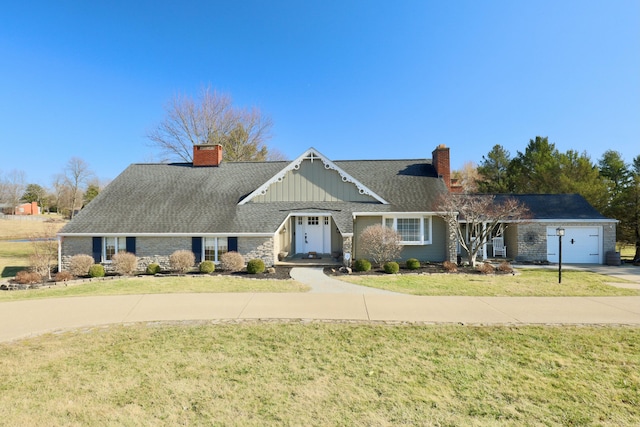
<point x="312" y="155"/>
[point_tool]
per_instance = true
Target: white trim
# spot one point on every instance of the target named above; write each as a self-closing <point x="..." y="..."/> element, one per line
<point x="422" y="218"/>
<point x="312" y="154"/>
<point x="405" y="213"/>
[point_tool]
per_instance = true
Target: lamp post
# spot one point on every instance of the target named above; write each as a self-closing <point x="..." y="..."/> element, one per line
<point x="559" y="233"/>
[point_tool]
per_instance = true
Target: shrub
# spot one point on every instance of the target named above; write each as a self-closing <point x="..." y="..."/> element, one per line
<point x="505" y="267"/>
<point x="124" y="263"/>
<point x="255" y="266"/>
<point x="391" y="267"/>
<point x="207" y="267"/>
<point x="153" y="268"/>
<point x="63" y="276"/>
<point x="486" y="268"/>
<point x="25" y="277"/>
<point x="380" y="243"/>
<point x="96" y="270"/>
<point x="182" y="261"/>
<point x="362" y="265"/>
<point x="232" y="261"/>
<point x="413" y="264"/>
<point x="79" y="265"/>
<point x="450" y="267"/>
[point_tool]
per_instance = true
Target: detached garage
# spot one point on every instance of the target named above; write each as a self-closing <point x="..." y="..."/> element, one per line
<point x="589" y="235"/>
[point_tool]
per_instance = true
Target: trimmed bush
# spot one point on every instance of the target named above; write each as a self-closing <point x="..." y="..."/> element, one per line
<point x="63" y="276"/>
<point x="124" y="263"/>
<point x="232" y="261"/>
<point x="413" y="264"/>
<point x="391" y="267"/>
<point x="207" y="267"/>
<point x="182" y="261"/>
<point x="362" y="265"/>
<point x="486" y="268"/>
<point x="79" y="265"/>
<point x="153" y="268"/>
<point x="255" y="266"/>
<point x="505" y="267"/>
<point x="96" y="270"/>
<point x="450" y="267"/>
<point x="24" y="277"/>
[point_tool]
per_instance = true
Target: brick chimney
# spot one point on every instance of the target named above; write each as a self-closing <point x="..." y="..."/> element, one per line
<point x="207" y="155"/>
<point x="442" y="164"/>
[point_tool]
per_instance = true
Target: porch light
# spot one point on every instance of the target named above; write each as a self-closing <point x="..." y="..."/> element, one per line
<point x="559" y="233"/>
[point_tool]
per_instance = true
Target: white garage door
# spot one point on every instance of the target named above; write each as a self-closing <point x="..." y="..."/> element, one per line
<point x="580" y="245"/>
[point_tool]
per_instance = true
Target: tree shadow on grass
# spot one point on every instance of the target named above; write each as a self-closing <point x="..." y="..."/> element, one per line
<point x="11" y="271"/>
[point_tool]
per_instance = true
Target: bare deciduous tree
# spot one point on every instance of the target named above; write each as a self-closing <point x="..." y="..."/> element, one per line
<point x="45" y="249"/>
<point x="12" y="188"/>
<point x="211" y="119"/>
<point x="480" y="213"/>
<point x="380" y="243"/>
<point x="76" y="174"/>
<point x="467" y="177"/>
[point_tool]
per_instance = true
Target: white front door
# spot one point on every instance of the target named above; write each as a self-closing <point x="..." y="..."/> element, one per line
<point x="313" y="234"/>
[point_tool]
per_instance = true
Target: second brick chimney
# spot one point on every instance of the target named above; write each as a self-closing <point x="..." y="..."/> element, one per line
<point x="207" y="155"/>
<point x="441" y="162"/>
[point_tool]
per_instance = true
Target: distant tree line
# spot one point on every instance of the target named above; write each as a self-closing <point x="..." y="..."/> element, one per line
<point x="70" y="190"/>
<point x="611" y="185"/>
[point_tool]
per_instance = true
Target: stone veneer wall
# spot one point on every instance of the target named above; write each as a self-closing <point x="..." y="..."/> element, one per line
<point x="532" y="239"/>
<point x="347" y="248"/>
<point x="158" y="249"/>
<point x="257" y="247"/>
<point x="75" y="246"/>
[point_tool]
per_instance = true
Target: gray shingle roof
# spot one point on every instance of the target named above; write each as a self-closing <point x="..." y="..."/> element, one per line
<point x="178" y="198"/>
<point x="557" y="206"/>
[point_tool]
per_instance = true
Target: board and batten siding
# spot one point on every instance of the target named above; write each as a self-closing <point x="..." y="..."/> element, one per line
<point x="312" y="183"/>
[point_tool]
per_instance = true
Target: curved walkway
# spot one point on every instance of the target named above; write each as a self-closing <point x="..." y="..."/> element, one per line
<point x="328" y="301"/>
<point x="320" y="283"/>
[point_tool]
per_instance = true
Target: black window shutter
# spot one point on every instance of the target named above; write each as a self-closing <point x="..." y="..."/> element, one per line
<point x="97" y="249"/>
<point x="131" y="245"/>
<point x="232" y="244"/>
<point x="196" y="248"/>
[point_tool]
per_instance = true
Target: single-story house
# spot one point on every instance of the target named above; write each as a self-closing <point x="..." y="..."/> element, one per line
<point x="274" y="210"/>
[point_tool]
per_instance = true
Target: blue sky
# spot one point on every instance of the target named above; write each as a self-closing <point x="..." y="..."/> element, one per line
<point x="354" y="79"/>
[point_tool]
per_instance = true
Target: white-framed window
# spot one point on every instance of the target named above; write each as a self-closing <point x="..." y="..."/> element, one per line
<point x="414" y="230"/>
<point x="213" y="248"/>
<point x="313" y="220"/>
<point x="113" y="245"/>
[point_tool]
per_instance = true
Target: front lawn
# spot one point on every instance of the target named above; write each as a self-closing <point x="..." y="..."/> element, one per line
<point x="320" y="374"/>
<point x="531" y="282"/>
<point x="155" y="285"/>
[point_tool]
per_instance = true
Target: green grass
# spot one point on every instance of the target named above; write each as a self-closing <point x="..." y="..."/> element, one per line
<point x="533" y="282"/>
<point x="14" y="256"/>
<point x="321" y="374"/>
<point x="156" y="285"/>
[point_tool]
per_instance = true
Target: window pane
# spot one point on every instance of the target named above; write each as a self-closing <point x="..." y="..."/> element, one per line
<point x="426" y="229"/>
<point x="109" y="248"/>
<point x="388" y="222"/>
<point x="222" y="246"/>
<point x="313" y="220"/>
<point x="409" y="229"/>
<point x="209" y="248"/>
<point x="122" y="244"/>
